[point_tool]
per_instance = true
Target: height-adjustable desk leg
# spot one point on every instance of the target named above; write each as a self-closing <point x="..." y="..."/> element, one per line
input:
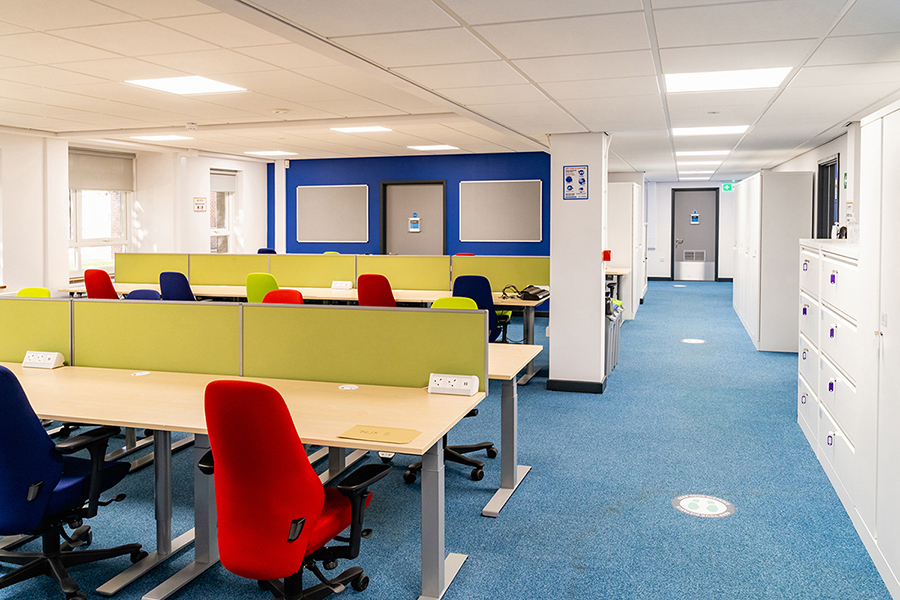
<point x="528" y="328"/>
<point x="511" y="472"/>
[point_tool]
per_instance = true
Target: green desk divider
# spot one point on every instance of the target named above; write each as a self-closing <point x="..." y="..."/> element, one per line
<point x="158" y="336"/>
<point x="33" y="324"/>
<point x="312" y="270"/>
<point x="399" y="347"/>
<point x="408" y="272"/>
<point x="145" y="268"/>
<point x="226" y="269"/>
<point x="502" y="271"/>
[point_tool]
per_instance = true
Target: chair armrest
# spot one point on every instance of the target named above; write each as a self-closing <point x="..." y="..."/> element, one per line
<point x="359" y="480"/>
<point x="84" y="440"/>
<point x="206" y="463"/>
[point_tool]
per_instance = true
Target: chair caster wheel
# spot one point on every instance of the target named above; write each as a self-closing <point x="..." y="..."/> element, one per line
<point x="76" y="596"/>
<point x="360" y="583"/>
<point x="477" y="474"/>
<point x="492" y="452"/>
<point x="386" y="457"/>
<point x="263" y="585"/>
<point x="138" y="556"/>
<point x="330" y="565"/>
<point x="409" y="477"/>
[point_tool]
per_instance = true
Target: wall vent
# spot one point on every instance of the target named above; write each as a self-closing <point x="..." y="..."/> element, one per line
<point x="695" y="256"/>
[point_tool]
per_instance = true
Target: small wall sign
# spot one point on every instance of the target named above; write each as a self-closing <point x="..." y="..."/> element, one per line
<point x="575" y="182"/>
<point x="199" y="203"/>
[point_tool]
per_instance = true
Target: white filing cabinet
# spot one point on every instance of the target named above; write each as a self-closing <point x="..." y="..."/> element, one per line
<point x="625" y="238"/>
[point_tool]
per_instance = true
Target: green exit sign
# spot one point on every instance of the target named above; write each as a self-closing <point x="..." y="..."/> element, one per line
<point x="726" y="187"/>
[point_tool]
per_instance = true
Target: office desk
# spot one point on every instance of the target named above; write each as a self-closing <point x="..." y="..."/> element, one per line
<point x="504" y="363"/>
<point x="166" y="402"/>
<point x="618" y="273"/>
<point x="527" y="325"/>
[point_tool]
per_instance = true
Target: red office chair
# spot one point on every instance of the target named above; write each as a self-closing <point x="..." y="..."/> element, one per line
<point x="98" y="285"/>
<point x="374" y="290"/>
<point x="274" y="516"/>
<point x="283" y="296"/>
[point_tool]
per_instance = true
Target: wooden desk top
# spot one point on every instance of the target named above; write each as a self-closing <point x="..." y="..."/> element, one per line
<point x="506" y="360"/>
<point x="617" y="271"/>
<point x="174" y="402"/>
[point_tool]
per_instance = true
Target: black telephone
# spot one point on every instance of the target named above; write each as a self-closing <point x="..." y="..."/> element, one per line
<point x="533" y="292"/>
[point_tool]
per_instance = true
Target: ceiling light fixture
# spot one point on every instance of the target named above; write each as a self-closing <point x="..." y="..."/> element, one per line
<point x="723" y="130"/>
<point x="271" y="153"/>
<point x="434" y="147"/>
<point x="160" y="138"/>
<point x="193" y="84"/>
<point x="696" y="172"/>
<point x="367" y="129"/>
<point x="713" y="81"/>
<point x="697" y="163"/>
<point x="704" y="153"/>
<point x="693" y="179"/>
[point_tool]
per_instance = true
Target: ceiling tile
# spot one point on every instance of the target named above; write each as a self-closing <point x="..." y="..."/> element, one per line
<point x="659" y="4"/>
<point x="883" y="47"/>
<point x="209" y="63"/>
<point x="588" y="66"/>
<point x="710" y="116"/>
<point x="135" y="39"/>
<point x="43" y="15"/>
<point x="759" y="55"/>
<point x="825" y="105"/>
<point x="478" y="12"/>
<point x="223" y="30"/>
<point x="43" y="49"/>
<point x="533" y="118"/>
<point x="463" y="75"/>
<point x="350" y="80"/>
<point x="847" y="74"/>
<point x="714" y="100"/>
<point x="569" y="36"/>
<point x="120" y="69"/>
<point x="745" y="22"/>
<point x="497" y="94"/>
<point x="354" y="107"/>
<point x="46" y="76"/>
<point x="262" y="106"/>
<point x="870" y="16"/>
<point x="12" y="62"/>
<point x="9" y="28"/>
<point x="619" y="114"/>
<point x="603" y="88"/>
<point x="288" y="56"/>
<point x="360" y="17"/>
<point x="158" y="9"/>
<point x="288" y="85"/>
<point x="416" y="48"/>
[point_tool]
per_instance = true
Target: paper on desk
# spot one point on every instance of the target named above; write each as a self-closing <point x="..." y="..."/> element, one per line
<point x="389" y="435"/>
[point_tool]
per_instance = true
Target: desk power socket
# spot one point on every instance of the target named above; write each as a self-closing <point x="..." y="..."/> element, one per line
<point x="459" y="385"/>
<point x="43" y="360"/>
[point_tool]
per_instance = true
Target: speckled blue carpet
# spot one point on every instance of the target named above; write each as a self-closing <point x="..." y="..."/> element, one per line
<point x="594" y="518"/>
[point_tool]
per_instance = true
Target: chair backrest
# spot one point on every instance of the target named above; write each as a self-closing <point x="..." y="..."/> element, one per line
<point x="143" y="295"/>
<point x="33" y="292"/>
<point x="98" y="285"/>
<point x="263" y="480"/>
<point x="258" y="285"/>
<point x="457" y="302"/>
<point x="266" y="251"/>
<point x="174" y="286"/>
<point x="478" y="288"/>
<point x="374" y="289"/>
<point x="283" y="296"/>
<point x="463" y="254"/>
<point x="27" y="457"/>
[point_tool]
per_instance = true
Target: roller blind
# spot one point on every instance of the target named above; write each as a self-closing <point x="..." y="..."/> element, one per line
<point x="93" y="170"/>
<point x="222" y="181"/>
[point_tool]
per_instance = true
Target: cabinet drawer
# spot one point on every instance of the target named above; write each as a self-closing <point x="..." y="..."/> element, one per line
<point x="807" y="361"/>
<point x="839" y="397"/>
<point x="839" y="340"/>
<point x="809" y="318"/>
<point x="809" y="273"/>
<point x="835" y="448"/>
<point x="807" y="405"/>
<point x="840" y="283"/>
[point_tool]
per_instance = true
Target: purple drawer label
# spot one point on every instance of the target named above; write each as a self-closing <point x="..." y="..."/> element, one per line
<point x="803" y="399"/>
<point x="833" y="277"/>
<point x="806" y="265"/>
<point x="804" y="311"/>
<point x="831" y="332"/>
<point x="804" y="355"/>
<point x="831" y="386"/>
<point x="830" y="440"/>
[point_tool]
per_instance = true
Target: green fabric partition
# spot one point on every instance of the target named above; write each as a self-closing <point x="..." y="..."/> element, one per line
<point x="226" y="269"/>
<point x="33" y="324"/>
<point x="145" y="268"/>
<point x="158" y="336"/>
<point x="398" y="347"/>
<point x="520" y="271"/>
<point x="312" y="270"/>
<point x="408" y="272"/>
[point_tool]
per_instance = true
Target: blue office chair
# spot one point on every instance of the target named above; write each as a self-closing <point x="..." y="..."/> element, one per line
<point x="478" y="288"/>
<point x="143" y="295"/>
<point x="42" y="489"/>
<point x="266" y="251"/>
<point x="173" y="285"/>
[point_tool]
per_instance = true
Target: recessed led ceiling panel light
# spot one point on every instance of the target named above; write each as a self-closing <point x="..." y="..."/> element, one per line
<point x="697" y="163"/>
<point x="435" y="147"/>
<point x="370" y="129"/>
<point x="696" y="172"/>
<point x="704" y="153"/>
<point x="160" y="138"/>
<point x="724" y="130"/>
<point x="193" y="84"/>
<point x="693" y="179"/>
<point x="271" y="153"/>
<point x="713" y="81"/>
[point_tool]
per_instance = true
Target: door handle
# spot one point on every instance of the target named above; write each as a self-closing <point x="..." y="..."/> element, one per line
<point x="677" y="241"/>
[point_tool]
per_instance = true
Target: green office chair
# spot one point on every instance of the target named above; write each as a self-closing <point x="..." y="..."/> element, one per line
<point x="33" y="292"/>
<point x="258" y="285"/>
<point x="457" y="453"/>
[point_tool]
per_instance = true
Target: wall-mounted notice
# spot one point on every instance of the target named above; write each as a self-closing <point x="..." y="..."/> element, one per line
<point x="575" y="183"/>
<point x="199" y="203"/>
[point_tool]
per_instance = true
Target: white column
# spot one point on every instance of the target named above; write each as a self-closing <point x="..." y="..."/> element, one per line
<point x="281" y="206"/>
<point x="577" y="274"/>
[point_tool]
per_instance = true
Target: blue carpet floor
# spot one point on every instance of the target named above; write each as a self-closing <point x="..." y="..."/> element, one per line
<point x="594" y="518"/>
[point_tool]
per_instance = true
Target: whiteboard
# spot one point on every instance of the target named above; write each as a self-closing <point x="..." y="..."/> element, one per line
<point x="500" y="211"/>
<point x="332" y="213"/>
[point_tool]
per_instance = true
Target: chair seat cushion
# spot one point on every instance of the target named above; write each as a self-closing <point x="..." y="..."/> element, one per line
<point x="334" y="519"/>
<point x="72" y="489"/>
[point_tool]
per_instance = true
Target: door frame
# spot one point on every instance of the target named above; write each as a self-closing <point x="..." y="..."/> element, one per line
<point x="384" y="184"/>
<point x="716" y="189"/>
<point x="822" y="186"/>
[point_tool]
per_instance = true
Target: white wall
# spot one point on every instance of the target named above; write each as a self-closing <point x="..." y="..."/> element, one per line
<point x="659" y="234"/>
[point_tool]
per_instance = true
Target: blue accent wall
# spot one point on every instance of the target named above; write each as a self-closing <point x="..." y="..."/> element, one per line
<point x="270" y="205"/>
<point x="449" y="168"/>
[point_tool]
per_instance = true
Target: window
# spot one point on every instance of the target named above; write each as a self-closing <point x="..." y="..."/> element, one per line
<point x="828" y="196"/>
<point x="222" y="186"/>
<point x="97" y="229"/>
